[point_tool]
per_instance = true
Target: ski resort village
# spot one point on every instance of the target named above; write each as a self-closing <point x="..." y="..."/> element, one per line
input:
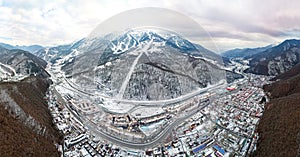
<point x="215" y="121"/>
<point x="149" y="94"/>
<point x="149" y="78"/>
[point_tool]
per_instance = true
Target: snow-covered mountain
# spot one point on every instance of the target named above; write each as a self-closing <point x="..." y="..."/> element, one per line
<point x="276" y="60"/>
<point x="137" y="38"/>
<point x="142" y="65"/>
<point x="18" y="62"/>
<point x="52" y="54"/>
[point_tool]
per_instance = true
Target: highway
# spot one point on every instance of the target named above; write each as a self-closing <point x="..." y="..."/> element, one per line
<point x="157" y="139"/>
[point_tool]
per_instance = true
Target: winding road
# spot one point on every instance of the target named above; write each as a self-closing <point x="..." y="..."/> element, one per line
<point x="150" y="143"/>
<point x="147" y="144"/>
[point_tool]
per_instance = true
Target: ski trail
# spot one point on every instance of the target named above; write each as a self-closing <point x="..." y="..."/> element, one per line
<point x="46" y="53"/>
<point x="128" y="76"/>
<point x="10" y="68"/>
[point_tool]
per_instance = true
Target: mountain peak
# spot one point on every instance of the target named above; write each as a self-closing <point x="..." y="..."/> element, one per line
<point x="290" y="42"/>
<point x="134" y="38"/>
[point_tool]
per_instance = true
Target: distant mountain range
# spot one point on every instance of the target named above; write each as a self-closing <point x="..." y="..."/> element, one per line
<point x="269" y="60"/>
<point x="30" y="48"/>
<point x="52" y="54"/>
<point x="275" y="60"/>
<point x="279" y="126"/>
<point x="246" y="52"/>
<point x="159" y="64"/>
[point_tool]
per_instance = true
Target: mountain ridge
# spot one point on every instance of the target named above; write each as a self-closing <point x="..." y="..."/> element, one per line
<point x="31" y="48"/>
<point x="275" y="60"/>
<point x="104" y="62"/>
<point x="244" y="52"/>
<point x="22" y="62"/>
<point x="26" y="123"/>
<point x="279" y="126"/>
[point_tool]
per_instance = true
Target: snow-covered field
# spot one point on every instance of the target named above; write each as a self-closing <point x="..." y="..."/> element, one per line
<point x="116" y="107"/>
<point x="150" y="129"/>
<point x="142" y="111"/>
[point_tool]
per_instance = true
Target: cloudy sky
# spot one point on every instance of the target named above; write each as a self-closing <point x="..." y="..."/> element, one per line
<point x="231" y="23"/>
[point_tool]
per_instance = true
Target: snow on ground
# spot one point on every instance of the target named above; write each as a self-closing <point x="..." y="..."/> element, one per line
<point x="46" y="53"/>
<point x="150" y="129"/>
<point x="116" y="107"/>
<point x="62" y="90"/>
<point x="128" y="76"/>
<point x="3" y="73"/>
<point x="173" y="151"/>
<point x="9" y="67"/>
<point x="142" y="112"/>
<point x="8" y="73"/>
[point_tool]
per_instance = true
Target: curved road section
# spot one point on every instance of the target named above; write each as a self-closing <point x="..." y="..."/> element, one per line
<point x="150" y="143"/>
<point x="163" y="133"/>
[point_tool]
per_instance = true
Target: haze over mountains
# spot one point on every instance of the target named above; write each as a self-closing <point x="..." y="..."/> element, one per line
<point x="30" y="48"/>
<point x="245" y="52"/>
<point x="279" y="126"/>
<point x="269" y="60"/>
<point x="139" y="85"/>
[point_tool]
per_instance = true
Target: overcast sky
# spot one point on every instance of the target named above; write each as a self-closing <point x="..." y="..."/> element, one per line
<point x="232" y="24"/>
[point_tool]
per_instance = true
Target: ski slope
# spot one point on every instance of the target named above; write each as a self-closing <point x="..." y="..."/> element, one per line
<point x="128" y="76"/>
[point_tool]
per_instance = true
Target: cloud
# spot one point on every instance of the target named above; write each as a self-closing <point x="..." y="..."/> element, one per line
<point x="231" y="23"/>
<point x="252" y="21"/>
<point x="56" y="22"/>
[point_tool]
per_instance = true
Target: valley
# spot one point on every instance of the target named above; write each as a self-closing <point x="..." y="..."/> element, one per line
<point x="148" y="93"/>
<point x="153" y="127"/>
<point x="128" y="78"/>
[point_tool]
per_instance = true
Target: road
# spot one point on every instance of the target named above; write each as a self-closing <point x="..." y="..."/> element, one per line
<point x="130" y="144"/>
<point x="175" y="100"/>
<point x="157" y="139"/>
<point x="219" y="85"/>
<point x="163" y="133"/>
<point x="8" y="67"/>
<point x="147" y="144"/>
<point x="155" y="103"/>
